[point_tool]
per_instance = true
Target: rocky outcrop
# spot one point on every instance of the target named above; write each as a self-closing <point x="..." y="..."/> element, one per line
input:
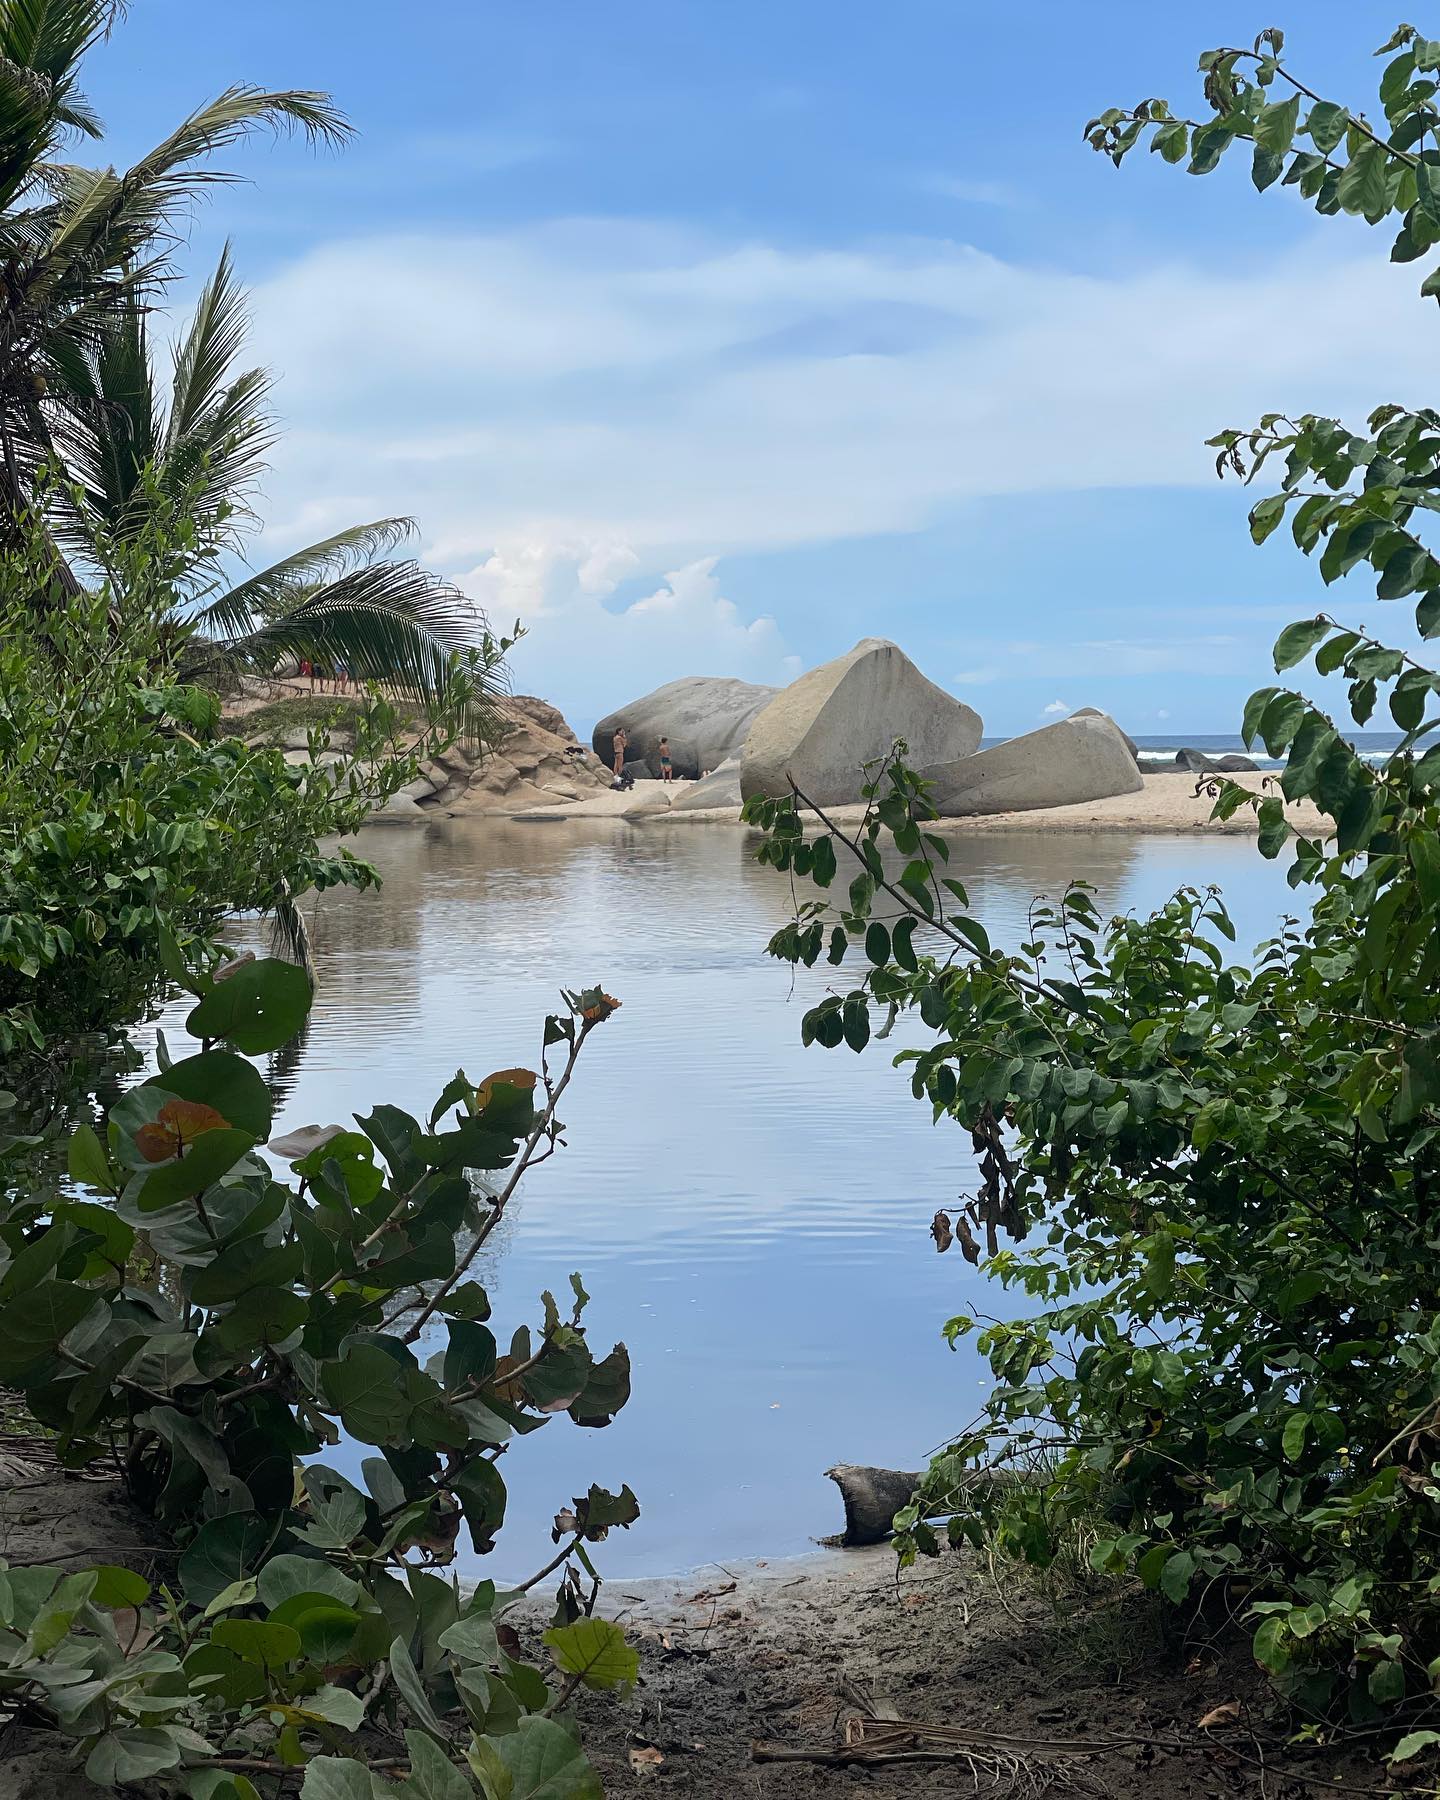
<point x="1065" y="764"/>
<point x="538" y="761"/>
<point x="823" y="727"/>
<point x="1094" y="712"/>
<point x="1198" y="763"/>
<point x="706" y="719"/>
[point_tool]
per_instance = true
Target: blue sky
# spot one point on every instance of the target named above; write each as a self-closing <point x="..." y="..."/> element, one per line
<point x="711" y="338"/>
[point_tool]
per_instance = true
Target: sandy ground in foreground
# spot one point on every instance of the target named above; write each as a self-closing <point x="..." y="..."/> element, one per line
<point x="1167" y="803"/>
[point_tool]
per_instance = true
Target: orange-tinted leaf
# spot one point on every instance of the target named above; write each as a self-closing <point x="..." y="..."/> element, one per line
<point x="523" y="1079"/>
<point x="178" y="1123"/>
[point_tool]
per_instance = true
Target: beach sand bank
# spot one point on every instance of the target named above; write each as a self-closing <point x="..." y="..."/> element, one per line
<point x="1167" y="803"/>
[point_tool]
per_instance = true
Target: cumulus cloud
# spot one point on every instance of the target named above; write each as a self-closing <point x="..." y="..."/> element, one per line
<point x="589" y="653"/>
<point x="1057" y="709"/>
<point x="574" y="407"/>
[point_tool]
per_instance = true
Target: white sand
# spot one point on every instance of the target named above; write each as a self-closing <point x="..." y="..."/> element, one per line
<point x="1168" y="803"/>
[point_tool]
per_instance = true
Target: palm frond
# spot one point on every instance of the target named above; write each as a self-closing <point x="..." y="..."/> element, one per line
<point x="204" y="355"/>
<point x="277" y="589"/>
<point x="392" y="623"/>
<point x="117" y="392"/>
<point x="110" y="219"/>
<point x="289" y="934"/>
<point x="50" y="36"/>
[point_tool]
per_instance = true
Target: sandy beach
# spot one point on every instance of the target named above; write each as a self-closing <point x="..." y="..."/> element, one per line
<point x="1168" y="803"/>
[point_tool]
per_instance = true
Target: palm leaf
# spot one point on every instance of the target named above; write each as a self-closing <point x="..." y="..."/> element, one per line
<point x="392" y="623"/>
<point x="202" y="361"/>
<point x="275" y="590"/>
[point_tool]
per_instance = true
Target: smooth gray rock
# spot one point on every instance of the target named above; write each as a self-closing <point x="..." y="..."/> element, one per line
<point x="1065" y="764"/>
<point x="1198" y="763"/>
<point x="1094" y="712"/>
<point x="705" y="718"/>
<point x="399" y="809"/>
<point x="721" y="788"/>
<point x="821" y="729"/>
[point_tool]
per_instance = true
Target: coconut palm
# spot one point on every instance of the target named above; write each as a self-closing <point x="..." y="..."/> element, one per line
<point x="84" y="255"/>
<point x="199" y="450"/>
<point x="79" y="244"/>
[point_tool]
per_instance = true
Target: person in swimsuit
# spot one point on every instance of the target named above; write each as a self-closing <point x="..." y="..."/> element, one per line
<point x="620" y="740"/>
<point x="666" y="772"/>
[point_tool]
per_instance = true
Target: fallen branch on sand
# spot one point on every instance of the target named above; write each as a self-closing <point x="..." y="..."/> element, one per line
<point x="1001" y="1760"/>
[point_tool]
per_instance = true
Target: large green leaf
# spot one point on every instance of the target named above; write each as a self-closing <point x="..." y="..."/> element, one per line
<point x="596" y="1651"/>
<point x="221" y="1552"/>
<point x="285" y="1577"/>
<point x="32" y="1325"/>
<point x="480" y="1489"/>
<point x="220" y="1078"/>
<point x="206" y="1159"/>
<point x="542" y="1761"/>
<point x="122" y="1755"/>
<point x="432" y="1775"/>
<point x="366" y="1387"/>
<point x="259" y="1007"/>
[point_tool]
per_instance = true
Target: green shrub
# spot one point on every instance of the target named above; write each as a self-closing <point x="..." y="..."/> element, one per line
<point x="123" y="815"/>
<point x="1232" y="1168"/>
<point x="281" y="1314"/>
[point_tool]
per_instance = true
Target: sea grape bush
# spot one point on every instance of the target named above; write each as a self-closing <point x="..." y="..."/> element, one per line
<point x="209" y="1329"/>
<point x="123" y="812"/>
<point x="1228" y="1171"/>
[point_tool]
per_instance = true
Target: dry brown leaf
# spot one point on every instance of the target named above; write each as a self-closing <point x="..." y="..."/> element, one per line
<point x="132" y="1634"/>
<point x="940" y="1231"/>
<point x="645" y="1759"/>
<point x="1221" y="1715"/>
<point x="969" y="1249"/>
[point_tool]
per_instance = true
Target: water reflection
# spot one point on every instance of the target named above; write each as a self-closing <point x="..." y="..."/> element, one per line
<point x="751" y="1217"/>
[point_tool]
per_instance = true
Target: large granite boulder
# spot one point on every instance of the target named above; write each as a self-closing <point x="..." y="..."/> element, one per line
<point x="823" y="727"/>
<point x="1065" y="764"/>
<point x="1094" y="712"/>
<point x="705" y="718"/>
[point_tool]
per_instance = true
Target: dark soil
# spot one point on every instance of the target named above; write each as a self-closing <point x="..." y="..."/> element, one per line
<point x="1085" y="1696"/>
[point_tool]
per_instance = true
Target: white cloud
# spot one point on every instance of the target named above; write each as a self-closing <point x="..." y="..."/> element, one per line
<point x="568" y="406"/>
<point x="1161" y="713"/>
<point x="1056" y="709"/>
<point x="588" y="656"/>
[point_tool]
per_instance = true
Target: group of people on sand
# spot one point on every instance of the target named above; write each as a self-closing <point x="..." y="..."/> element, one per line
<point x="336" y="679"/>
<point x="621" y="740"/>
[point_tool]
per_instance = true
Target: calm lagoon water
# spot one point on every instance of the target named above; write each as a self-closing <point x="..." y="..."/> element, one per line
<point x="751" y="1217"/>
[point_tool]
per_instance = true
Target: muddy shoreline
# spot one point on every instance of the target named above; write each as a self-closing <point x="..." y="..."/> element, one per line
<point x="1083" y="1689"/>
<point x="1088" y="1691"/>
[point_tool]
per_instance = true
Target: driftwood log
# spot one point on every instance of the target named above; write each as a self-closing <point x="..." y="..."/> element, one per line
<point x="872" y="1498"/>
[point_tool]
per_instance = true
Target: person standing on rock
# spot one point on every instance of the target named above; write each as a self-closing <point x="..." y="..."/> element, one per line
<point x="667" y="772"/>
<point x="619" y="741"/>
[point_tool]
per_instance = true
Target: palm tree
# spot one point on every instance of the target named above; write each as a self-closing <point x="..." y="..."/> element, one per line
<point x="79" y="244"/>
<point x="199" y="452"/>
<point x="84" y="255"/>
